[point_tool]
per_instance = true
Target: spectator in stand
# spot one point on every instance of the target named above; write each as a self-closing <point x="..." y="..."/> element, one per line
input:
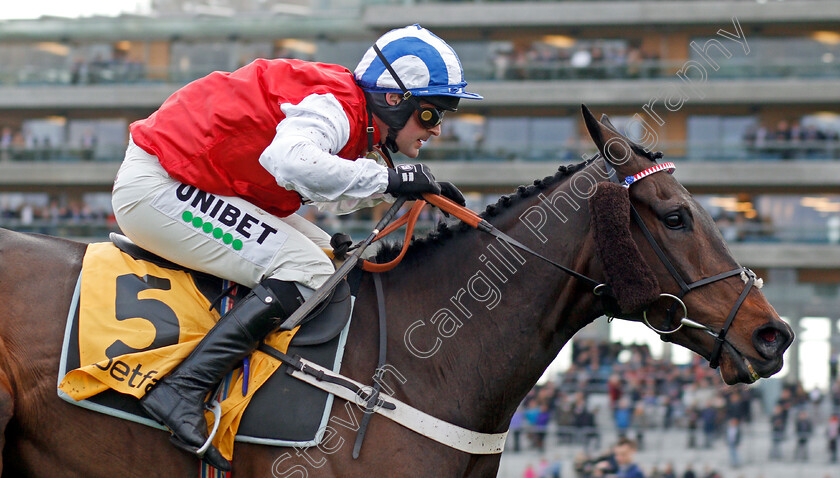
<point x="804" y="430"/>
<point x="566" y="420"/>
<point x="537" y="416"/>
<point x="517" y="422"/>
<point x="778" y="427"/>
<point x="529" y="472"/>
<point x="733" y="441"/>
<point x="668" y="471"/>
<point x="614" y="390"/>
<point x="623" y="416"/>
<point x="625" y="457"/>
<point x="554" y="469"/>
<point x="641" y="421"/>
<point x="832" y="433"/>
<point x="6" y="138"/>
<point x="584" y="422"/>
<point x="708" y="419"/>
<point x="692" y="422"/>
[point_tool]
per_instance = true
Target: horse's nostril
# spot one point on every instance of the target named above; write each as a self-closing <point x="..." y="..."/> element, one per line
<point x="769" y="335"/>
<point x="770" y="341"/>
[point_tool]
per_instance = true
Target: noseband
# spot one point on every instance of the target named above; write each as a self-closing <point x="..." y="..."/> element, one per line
<point x="685" y="286"/>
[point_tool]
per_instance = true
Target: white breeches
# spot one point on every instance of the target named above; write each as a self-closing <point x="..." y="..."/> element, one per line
<point x="224" y="236"/>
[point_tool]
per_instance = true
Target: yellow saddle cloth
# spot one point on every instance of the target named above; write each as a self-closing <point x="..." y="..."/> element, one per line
<point x="137" y="321"/>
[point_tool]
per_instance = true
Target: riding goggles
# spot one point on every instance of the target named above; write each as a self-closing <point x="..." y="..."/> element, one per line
<point x="429" y="116"/>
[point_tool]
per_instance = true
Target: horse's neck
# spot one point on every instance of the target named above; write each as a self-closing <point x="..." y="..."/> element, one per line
<point x="478" y="321"/>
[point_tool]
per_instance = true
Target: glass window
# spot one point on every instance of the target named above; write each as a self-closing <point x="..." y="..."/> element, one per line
<point x="720" y="137"/>
<point x="43" y="133"/>
<point x="550" y="137"/>
<point x="804" y="56"/>
<point x="189" y="60"/>
<point x="527" y="137"/>
<point x="775" y="217"/>
<point x="506" y="133"/>
<point x="345" y="53"/>
<point x="35" y="63"/>
<point x="103" y="139"/>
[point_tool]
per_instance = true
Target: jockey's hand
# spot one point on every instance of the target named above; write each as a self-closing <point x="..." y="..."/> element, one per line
<point x="449" y="191"/>
<point x="411" y="180"/>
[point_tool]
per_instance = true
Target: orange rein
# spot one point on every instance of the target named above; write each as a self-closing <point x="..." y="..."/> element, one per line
<point x="410" y="219"/>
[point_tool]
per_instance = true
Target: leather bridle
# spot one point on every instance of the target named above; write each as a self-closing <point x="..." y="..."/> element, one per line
<point x="604" y="290"/>
<point x="684" y="285"/>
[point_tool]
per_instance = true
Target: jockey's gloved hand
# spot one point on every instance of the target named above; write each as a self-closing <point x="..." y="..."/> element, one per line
<point x="411" y="180"/>
<point x="449" y="191"/>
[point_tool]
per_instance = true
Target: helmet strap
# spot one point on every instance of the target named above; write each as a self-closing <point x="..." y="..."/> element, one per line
<point x="391" y="139"/>
<point x="370" y="130"/>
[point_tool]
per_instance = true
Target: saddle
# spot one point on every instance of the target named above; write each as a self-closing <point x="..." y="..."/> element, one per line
<point x="282" y="411"/>
<point x="324" y="324"/>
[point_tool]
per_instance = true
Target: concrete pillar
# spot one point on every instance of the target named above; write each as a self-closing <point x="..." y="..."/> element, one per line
<point x="792" y="355"/>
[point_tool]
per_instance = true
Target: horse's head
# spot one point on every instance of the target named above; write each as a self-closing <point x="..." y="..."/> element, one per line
<point x="709" y="303"/>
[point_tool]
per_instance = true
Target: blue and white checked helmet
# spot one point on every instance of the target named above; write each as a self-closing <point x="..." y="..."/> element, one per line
<point x="427" y="65"/>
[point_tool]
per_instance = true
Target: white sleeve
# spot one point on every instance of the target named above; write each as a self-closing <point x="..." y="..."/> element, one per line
<point x="301" y="157"/>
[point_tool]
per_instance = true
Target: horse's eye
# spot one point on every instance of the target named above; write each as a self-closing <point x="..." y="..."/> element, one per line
<point x="674" y="221"/>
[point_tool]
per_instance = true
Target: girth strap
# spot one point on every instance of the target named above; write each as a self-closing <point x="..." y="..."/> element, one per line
<point x="377" y="385"/>
<point x="453" y="436"/>
<point x="297" y="363"/>
<point x="446" y="433"/>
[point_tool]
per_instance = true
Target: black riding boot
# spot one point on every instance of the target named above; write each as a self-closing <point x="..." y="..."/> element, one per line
<point x="177" y="401"/>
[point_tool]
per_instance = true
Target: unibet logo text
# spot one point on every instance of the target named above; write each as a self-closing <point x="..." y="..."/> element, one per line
<point x="227" y="214"/>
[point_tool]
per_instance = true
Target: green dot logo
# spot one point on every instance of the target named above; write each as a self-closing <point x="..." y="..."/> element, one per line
<point x="209" y="228"/>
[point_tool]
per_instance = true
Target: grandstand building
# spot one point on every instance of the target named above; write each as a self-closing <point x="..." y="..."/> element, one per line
<point x="744" y="96"/>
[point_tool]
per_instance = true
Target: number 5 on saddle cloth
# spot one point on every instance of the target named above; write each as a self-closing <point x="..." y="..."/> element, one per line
<point x="135" y="316"/>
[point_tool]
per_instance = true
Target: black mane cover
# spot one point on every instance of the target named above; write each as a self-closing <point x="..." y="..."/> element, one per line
<point x="628" y="274"/>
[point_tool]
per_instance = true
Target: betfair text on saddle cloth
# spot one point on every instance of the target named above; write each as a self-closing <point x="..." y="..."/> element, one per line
<point x="213" y="178"/>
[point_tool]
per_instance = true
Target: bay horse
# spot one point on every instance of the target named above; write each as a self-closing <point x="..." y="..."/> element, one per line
<point x="472" y="325"/>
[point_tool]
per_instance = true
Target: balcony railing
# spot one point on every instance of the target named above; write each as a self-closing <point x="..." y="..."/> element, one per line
<point x="498" y="68"/>
<point x="698" y="151"/>
<point x="454" y="151"/>
<point x="747" y="232"/>
<point x="110" y="152"/>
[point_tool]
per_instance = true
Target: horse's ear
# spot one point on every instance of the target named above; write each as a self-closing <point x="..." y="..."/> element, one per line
<point x="592" y="124"/>
<point x="614" y="147"/>
<point x="605" y="120"/>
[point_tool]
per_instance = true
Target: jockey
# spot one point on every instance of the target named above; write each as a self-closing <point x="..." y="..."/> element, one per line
<point x="212" y="180"/>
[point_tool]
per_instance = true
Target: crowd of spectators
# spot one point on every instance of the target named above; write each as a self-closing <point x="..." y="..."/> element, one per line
<point x="597" y="60"/>
<point x="73" y="219"/>
<point x="791" y="140"/>
<point x="119" y="69"/>
<point x="17" y="145"/>
<point x="643" y="394"/>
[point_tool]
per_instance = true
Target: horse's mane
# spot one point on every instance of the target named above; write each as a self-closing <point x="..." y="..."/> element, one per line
<point x="389" y="251"/>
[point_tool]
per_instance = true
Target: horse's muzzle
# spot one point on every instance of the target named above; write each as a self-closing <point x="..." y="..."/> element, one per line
<point x="771" y="341"/>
